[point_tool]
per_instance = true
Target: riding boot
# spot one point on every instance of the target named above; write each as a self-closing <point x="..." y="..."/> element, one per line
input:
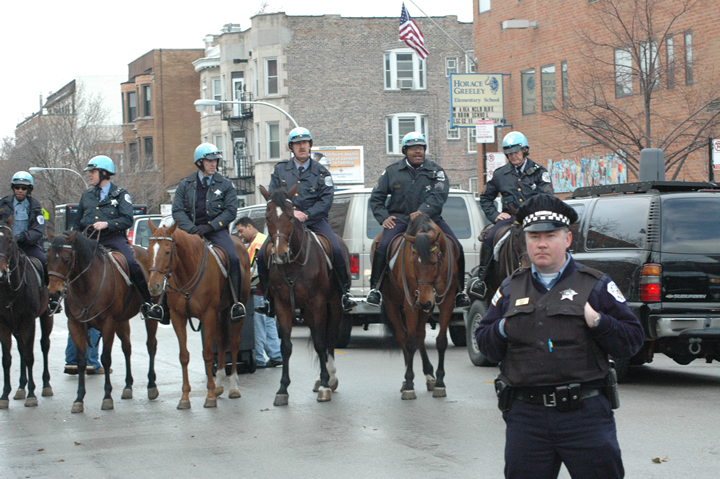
<point x="268" y="307"/>
<point x="138" y="280"/>
<point x="461" y="299"/>
<point x="378" y="266"/>
<point x="341" y="274"/>
<point x="478" y="286"/>
<point x="237" y="312"/>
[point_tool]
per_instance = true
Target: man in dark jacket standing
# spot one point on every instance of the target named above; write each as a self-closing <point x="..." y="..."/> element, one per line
<point x="552" y="327"/>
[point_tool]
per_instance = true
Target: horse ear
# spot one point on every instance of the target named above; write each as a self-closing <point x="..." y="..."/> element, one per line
<point x="73" y="236"/>
<point x="172" y="229"/>
<point x="264" y="192"/>
<point x="409" y="238"/>
<point x="10" y="220"/>
<point x="152" y="226"/>
<point x="292" y="191"/>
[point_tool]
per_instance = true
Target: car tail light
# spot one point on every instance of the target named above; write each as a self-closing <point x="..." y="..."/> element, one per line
<point x="355" y="266"/>
<point x="650" y="282"/>
<point x="131" y="235"/>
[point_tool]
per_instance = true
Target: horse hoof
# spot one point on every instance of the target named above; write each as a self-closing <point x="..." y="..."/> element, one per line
<point x="153" y="393"/>
<point x="126" y="394"/>
<point x="324" y="395"/>
<point x="210" y="402"/>
<point x="19" y="394"/>
<point x="219" y="390"/>
<point x="31" y="402"/>
<point x="47" y="392"/>
<point x="107" y="404"/>
<point x="409" y="394"/>
<point x="439" y="393"/>
<point x="78" y="407"/>
<point x="402" y="388"/>
<point x="333" y="383"/>
<point x="234" y="394"/>
<point x="4" y="403"/>
<point x="316" y="388"/>
<point x="184" y="405"/>
<point x="430" y="383"/>
<point x="281" y="400"/>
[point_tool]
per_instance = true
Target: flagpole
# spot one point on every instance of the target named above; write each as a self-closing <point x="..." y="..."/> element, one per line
<point x="446" y="33"/>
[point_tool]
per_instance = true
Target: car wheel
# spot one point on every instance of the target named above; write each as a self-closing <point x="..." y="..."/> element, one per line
<point x="345" y="332"/>
<point x="473" y="318"/>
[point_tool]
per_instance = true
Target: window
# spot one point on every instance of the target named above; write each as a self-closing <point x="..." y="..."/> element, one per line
<point x="685" y="225"/>
<point x="132" y="106"/>
<point x="217" y="92"/>
<point x="271" y="77"/>
<point x="648" y="65"/>
<point x="483" y="6"/>
<point x="124" y="113"/>
<point x="472" y="140"/>
<point x="452" y="133"/>
<point x="549" y="96"/>
<point x="228" y="163"/>
<point x="470" y="66"/>
<point x="563" y="68"/>
<point x="147" y="100"/>
<point x="528" y="91"/>
<point x="400" y="125"/>
<point x="148" y="152"/>
<point x="612" y="227"/>
<point x="273" y="140"/>
<point x="133" y="155"/>
<point x="688" y="58"/>
<point x="256" y="72"/>
<point x="473" y="187"/>
<point x="670" y="58"/>
<point x="451" y="65"/>
<point x="623" y="73"/>
<point x="404" y="71"/>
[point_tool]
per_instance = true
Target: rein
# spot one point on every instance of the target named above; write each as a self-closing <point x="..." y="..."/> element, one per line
<point x="414" y="306"/>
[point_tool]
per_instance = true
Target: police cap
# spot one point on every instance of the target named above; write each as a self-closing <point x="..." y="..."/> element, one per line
<point x="545" y="212"/>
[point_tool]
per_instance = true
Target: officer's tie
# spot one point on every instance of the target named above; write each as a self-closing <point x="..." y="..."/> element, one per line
<point x="206" y="182"/>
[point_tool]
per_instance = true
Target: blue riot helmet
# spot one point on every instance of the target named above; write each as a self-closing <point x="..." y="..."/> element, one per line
<point x="102" y="163"/>
<point x="515" y="141"/>
<point x="206" y="151"/>
<point x="413" y="138"/>
<point x="23" y="178"/>
<point x="299" y="134"/>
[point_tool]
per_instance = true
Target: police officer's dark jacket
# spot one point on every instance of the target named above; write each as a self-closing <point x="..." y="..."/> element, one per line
<point x="220" y="203"/>
<point x="36" y="229"/>
<point x="514" y="187"/>
<point x="116" y="209"/>
<point x="548" y="341"/>
<point x="315" y="192"/>
<point x="423" y="189"/>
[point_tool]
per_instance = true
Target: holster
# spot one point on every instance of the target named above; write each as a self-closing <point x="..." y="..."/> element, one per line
<point x="504" y="394"/>
<point x="610" y="390"/>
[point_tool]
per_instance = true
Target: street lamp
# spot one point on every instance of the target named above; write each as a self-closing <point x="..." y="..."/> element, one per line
<point x="36" y="169"/>
<point x="201" y="104"/>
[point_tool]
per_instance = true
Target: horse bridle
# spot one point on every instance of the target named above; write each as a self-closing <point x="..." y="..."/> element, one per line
<point x="8" y="261"/>
<point x="438" y="298"/>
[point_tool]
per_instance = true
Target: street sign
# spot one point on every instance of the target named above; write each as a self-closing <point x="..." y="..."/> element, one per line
<point x="494" y="161"/>
<point x="485" y="131"/>
<point x="716" y="155"/>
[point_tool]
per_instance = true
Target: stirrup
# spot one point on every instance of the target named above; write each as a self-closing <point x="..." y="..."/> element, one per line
<point x="154" y="312"/>
<point x="374" y="297"/>
<point x="237" y="312"/>
<point x="348" y="302"/>
<point x="477" y="288"/>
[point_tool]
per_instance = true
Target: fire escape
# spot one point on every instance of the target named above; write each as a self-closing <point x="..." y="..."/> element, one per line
<point x="239" y="118"/>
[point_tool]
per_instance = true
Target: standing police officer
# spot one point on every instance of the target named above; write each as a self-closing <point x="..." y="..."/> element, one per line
<point x="415" y="185"/>
<point x="107" y="209"/>
<point x="205" y="204"/>
<point x="551" y="327"/>
<point x="311" y="205"/>
<point x="516" y="181"/>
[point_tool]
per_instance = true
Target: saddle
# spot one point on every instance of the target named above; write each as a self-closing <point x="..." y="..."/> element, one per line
<point x="324" y="243"/>
<point x="39" y="272"/>
<point x="220" y="255"/>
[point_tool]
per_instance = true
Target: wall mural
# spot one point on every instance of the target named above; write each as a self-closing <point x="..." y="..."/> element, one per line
<point x="578" y="172"/>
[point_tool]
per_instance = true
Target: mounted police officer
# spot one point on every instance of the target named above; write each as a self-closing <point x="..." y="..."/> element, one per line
<point x="551" y="327"/>
<point x="106" y="212"/>
<point x="311" y="205"/>
<point x="517" y="181"/>
<point x="29" y="222"/>
<point x="415" y="185"/>
<point x="205" y="204"/>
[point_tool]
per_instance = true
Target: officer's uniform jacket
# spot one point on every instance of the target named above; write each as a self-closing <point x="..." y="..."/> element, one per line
<point x="221" y="202"/>
<point x="315" y="192"/>
<point x="425" y="189"/>
<point x="116" y="209"/>
<point x="547" y="341"/>
<point x="515" y="188"/>
<point x="36" y="221"/>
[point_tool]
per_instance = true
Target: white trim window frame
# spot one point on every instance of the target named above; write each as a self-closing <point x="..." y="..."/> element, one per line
<point x="470" y="66"/>
<point x="399" y="125"/>
<point x="403" y="70"/>
<point x="451" y="65"/>
<point x="272" y="81"/>
<point x="452" y="133"/>
<point x="272" y="131"/>
<point x="472" y="140"/>
<point x="217" y="92"/>
<point x="623" y="72"/>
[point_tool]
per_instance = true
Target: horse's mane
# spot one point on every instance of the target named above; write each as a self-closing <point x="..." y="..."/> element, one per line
<point x="420" y="228"/>
<point x="421" y="224"/>
<point x="280" y="198"/>
<point x="84" y="247"/>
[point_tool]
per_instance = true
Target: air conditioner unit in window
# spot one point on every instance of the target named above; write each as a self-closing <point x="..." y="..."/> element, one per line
<point x="405" y="83"/>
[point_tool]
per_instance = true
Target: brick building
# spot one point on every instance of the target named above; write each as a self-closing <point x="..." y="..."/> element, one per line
<point x="349" y="80"/>
<point x="553" y="55"/>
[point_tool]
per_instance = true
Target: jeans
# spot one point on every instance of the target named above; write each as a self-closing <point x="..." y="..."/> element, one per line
<point x="266" y="335"/>
<point x="91" y="354"/>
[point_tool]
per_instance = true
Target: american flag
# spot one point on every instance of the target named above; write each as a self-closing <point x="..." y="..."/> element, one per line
<point x="410" y="33"/>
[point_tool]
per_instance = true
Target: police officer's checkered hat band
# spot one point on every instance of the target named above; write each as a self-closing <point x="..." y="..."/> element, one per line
<point x="544" y="212"/>
<point x="545" y="216"/>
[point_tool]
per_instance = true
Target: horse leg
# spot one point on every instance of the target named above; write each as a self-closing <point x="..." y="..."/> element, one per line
<point x="25" y="347"/>
<point x="180" y="327"/>
<point x="151" y="327"/>
<point x="222" y="330"/>
<point x="317" y="321"/>
<point x="108" y="335"/>
<point x="335" y="317"/>
<point x="441" y="344"/>
<point x="6" y="362"/>
<point x="284" y="317"/>
<point x="427" y="365"/>
<point x="210" y="322"/>
<point x="20" y="393"/>
<point x="79" y="339"/>
<point x="46" y="327"/>
<point x="235" y="332"/>
<point x="123" y="332"/>
<point x="411" y="320"/>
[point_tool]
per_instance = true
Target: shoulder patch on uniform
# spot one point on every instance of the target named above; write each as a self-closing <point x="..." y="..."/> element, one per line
<point x="441" y="175"/>
<point x="41" y="219"/>
<point x="328" y="180"/>
<point x="497" y="297"/>
<point x="546" y="177"/>
<point x="615" y="292"/>
<point x="127" y="198"/>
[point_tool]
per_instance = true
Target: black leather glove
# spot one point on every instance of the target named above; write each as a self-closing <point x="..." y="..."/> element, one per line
<point x="193" y="230"/>
<point x="205" y="229"/>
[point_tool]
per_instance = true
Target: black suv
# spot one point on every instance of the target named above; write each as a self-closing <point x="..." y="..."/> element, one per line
<point x="660" y="242"/>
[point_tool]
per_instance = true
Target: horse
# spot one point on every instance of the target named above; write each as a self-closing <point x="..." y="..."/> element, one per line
<point x="98" y="294"/>
<point x="422" y="274"/>
<point x="300" y="277"/>
<point x="511" y="253"/>
<point x="23" y="297"/>
<point x="193" y="277"/>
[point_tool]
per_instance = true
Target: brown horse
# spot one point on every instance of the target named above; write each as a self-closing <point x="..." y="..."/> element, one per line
<point x="183" y="267"/>
<point x="97" y="295"/>
<point x="423" y="275"/>
<point x="509" y="242"/>
<point x="300" y="277"/>
<point x="23" y="297"/>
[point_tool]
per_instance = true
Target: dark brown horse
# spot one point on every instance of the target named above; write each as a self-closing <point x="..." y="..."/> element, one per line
<point x="422" y="275"/>
<point x="511" y="254"/>
<point x="23" y="297"/>
<point x="97" y="295"/>
<point x="300" y="279"/>
<point x="183" y="267"/>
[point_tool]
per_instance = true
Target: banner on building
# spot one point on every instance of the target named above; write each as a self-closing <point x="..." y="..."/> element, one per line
<point x="567" y="175"/>
<point x="476" y="96"/>
<point x="346" y="163"/>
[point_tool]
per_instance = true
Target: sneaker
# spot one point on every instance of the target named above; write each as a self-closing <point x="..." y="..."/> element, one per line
<point x="374" y="297"/>
<point x="92" y="370"/>
<point x="274" y="362"/>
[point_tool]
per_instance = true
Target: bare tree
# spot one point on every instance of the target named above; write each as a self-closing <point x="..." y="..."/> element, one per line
<point x="634" y="43"/>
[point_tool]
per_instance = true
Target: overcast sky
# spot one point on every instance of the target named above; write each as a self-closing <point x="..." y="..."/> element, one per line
<point x="48" y="43"/>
